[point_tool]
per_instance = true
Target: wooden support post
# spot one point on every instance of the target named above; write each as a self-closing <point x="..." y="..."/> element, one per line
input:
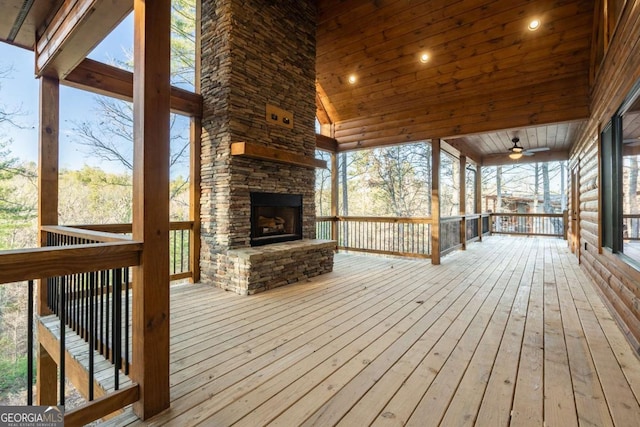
<point x="48" y="167"/>
<point x="435" y="201"/>
<point x="479" y="199"/>
<point x="46" y="378"/>
<point x="335" y="188"/>
<point x="194" y="199"/>
<point x="463" y="201"/>
<point x="46" y="375"/>
<point x="150" y="329"/>
<point x="195" y="172"/>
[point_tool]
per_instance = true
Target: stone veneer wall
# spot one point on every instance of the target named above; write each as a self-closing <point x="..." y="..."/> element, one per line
<point x="254" y="52"/>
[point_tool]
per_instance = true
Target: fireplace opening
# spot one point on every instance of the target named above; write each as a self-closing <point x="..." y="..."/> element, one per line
<point x="275" y="218"/>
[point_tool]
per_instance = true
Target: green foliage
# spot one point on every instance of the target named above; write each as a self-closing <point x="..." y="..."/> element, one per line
<point x="183" y="42"/>
<point x="93" y="196"/>
<point x="17" y="210"/>
<point x="13" y="376"/>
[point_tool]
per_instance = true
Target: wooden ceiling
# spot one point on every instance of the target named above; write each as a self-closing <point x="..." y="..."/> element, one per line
<point x="488" y="76"/>
<point x="60" y="32"/>
<point x="23" y="21"/>
<point x="486" y="71"/>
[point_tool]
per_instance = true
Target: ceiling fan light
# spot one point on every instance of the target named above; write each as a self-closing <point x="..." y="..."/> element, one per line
<point x="516" y="155"/>
<point x="517" y="149"/>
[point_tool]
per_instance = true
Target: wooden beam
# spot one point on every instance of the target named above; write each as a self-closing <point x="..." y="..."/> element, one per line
<point x="48" y="154"/>
<point x="631" y="150"/>
<point x="335" y="188"/>
<point x="262" y="152"/>
<point x="102" y="406"/>
<point x="151" y="97"/>
<point x="462" y="184"/>
<point x="326" y="143"/>
<point x="46" y="378"/>
<point x="87" y="234"/>
<point x="478" y="199"/>
<point x="77" y="27"/>
<point x="321" y="112"/>
<point x="435" y="201"/>
<point x="325" y="112"/>
<point x="542" y="156"/>
<point x="464" y="149"/>
<point x="194" y="198"/>
<point x="103" y="79"/>
<point x="19" y="265"/>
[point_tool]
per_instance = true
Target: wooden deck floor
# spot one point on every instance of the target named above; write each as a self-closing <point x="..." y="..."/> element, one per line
<point x="508" y="332"/>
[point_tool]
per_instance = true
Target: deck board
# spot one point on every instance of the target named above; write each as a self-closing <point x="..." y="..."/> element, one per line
<point x="509" y="332"/>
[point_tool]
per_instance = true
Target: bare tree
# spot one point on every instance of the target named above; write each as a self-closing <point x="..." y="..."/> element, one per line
<point x="546" y="201"/>
<point x="110" y="138"/>
<point x="323" y="185"/>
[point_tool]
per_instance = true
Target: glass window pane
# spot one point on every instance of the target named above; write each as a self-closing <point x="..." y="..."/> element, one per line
<point x="387" y="181"/>
<point x="449" y="185"/>
<point x="630" y="188"/>
<point x="323" y="185"/>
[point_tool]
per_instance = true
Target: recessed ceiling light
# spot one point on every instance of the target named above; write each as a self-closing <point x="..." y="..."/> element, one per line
<point x="353" y="79"/>
<point x="424" y="57"/>
<point x="534" y="24"/>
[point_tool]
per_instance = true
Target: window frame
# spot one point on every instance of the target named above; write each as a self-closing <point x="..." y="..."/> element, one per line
<point x="611" y="180"/>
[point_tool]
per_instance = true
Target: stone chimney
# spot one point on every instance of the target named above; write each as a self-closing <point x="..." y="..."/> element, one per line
<point x="254" y="53"/>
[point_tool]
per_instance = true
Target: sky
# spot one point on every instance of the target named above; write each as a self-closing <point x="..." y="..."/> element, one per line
<point x="20" y="90"/>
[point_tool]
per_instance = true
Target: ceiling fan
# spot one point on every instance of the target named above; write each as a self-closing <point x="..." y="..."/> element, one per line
<point x="517" y="151"/>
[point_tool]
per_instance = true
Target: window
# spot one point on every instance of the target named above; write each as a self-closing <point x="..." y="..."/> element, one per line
<point x="449" y="185"/>
<point x="620" y="156"/>
<point x="470" y="191"/>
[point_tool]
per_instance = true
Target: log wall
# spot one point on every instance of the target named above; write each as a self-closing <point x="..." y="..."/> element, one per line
<point x="618" y="71"/>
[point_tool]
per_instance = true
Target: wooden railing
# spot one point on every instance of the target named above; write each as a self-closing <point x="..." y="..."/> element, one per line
<point x="412" y="236"/>
<point x="97" y="303"/>
<point x="87" y="254"/>
<point x="182" y="263"/>
<point x="451" y="230"/>
<point x="529" y="224"/>
<point x="450" y="234"/>
<point x="391" y="236"/>
<point x="631" y="226"/>
<point x="485" y="219"/>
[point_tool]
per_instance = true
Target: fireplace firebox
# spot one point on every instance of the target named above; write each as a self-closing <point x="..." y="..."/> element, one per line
<point x="275" y="218"/>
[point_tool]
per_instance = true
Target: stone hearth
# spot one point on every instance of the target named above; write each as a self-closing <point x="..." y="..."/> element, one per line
<point x="266" y="267"/>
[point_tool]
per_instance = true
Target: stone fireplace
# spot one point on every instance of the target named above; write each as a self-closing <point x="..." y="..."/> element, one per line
<point x="275" y="218"/>
<point x="247" y="65"/>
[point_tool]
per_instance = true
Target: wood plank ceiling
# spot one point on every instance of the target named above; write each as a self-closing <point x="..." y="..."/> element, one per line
<point x="488" y="77"/>
<point x="61" y="33"/>
<point x="23" y="21"/>
<point x="486" y="72"/>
